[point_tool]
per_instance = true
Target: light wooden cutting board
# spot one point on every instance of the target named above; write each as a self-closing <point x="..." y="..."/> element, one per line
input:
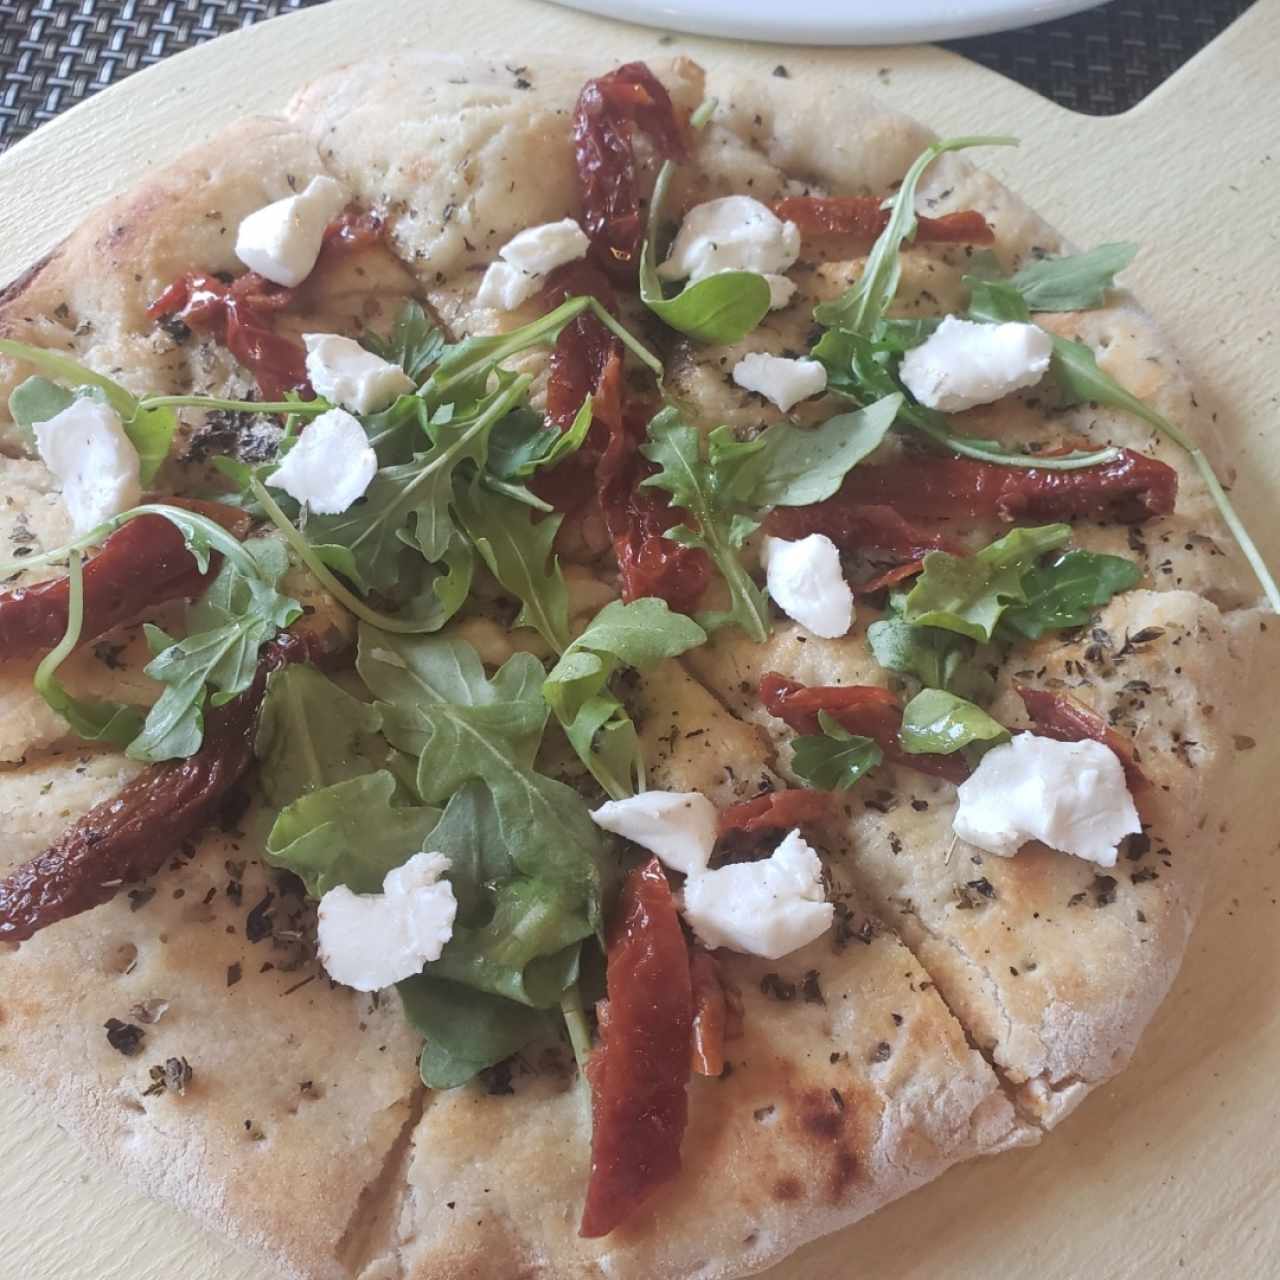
<point x="1172" y="1170"/>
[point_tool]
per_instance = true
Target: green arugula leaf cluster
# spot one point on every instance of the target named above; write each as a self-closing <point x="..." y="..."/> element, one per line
<point x="640" y="634"/>
<point x="218" y="658"/>
<point x="936" y="722"/>
<point x="834" y="759"/>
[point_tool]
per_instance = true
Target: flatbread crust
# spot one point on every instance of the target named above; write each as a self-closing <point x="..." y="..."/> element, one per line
<point x="304" y="1130"/>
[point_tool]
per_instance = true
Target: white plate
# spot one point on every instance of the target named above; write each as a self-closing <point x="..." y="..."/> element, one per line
<point x="835" y="21"/>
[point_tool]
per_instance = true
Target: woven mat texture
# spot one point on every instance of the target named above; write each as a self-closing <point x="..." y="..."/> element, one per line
<point x="53" y="53"/>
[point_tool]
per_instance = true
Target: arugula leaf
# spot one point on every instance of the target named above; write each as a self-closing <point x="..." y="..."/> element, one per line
<point x="1076" y="369"/>
<point x="860" y="308"/>
<point x="938" y="659"/>
<point x="466" y="1030"/>
<point x="348" y="833"/>
<point x="1064" y="591"/>
<point x="996" y="302"/>
<point x="1078" y="282"/>
<point x="517" y="548"/>
<point x="37" y="400"/>
<point x="525" y="443"/>
<point x="721" y="530"/>
<point x="414" y="343"/>
<point x="968" y="594"/>
<point x="93" y="720"/>
<point x="311" y="734"/>
<point x="437" y="703"/>
<point x="936" y="722"/>
<point x="226" y="628"/>
<point x="515" y="935"/>
<point x="640" y="634"/>
<point x="834" y="759"/>
<point x="150" y="429"/>
<point x="788" y="466"/>
<point x="409" y="503"/>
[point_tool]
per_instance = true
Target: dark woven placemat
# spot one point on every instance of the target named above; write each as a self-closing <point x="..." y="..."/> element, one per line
<point x="53" y="53"/>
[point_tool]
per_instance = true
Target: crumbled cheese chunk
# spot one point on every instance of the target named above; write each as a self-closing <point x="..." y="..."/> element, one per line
<point x="331" y="465"/>
<point x="1069" y="795"/>
<point x="735" y="233"/>
<point x="679" y="826"/>
<point x="805" y="580"/>
<point x="86" y="448"/>
<point x="779" y="379"/>
<point x="370" y="940"/>
<point x="282" y="240"/>
<point x="964" y="363"/>
<point x="343" y="372"/>
<point x="767" y="908"/>
<point x="526" y="259"/>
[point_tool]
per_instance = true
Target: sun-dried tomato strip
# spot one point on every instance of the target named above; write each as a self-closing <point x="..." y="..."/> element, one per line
<point x="859" y="526"/>
<point x="133" y="834"/>
<point x="1131" y="489"/>
<point x="640" y="1072"/>
<point x="889" y="578"/>
<point x="776" y="811"/>
<point x="710" y="1013"/>
<point x="1059" y="715"/>
<point x="142" y="564"/>
<point x="608" y="111"/>
<point x="864" y="218"/>
<point x="237" y="315"/>
<point x="866" y="710"/>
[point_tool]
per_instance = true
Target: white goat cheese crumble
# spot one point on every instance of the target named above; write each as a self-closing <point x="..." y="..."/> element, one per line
<point x="964" y="363"/>
<point x="768" y="908"/>
<point x="525" y="261"/>
<point x="781" y="380"/>
<point x="806" y="581"/>
<point x="345" y="374"/>
<point x="679" y="826"/>
<point x="86" y="448"/>
<point x="735" y="233"/>
<point x="331" y="465"/>
<point x="1071" y="796"/>
<point x="282" y="240"/>
<point x="370" y="940"/>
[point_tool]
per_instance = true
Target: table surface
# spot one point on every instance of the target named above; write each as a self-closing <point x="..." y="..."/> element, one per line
<point x="54" y="53"/>
<point x="1167" y="1171"/>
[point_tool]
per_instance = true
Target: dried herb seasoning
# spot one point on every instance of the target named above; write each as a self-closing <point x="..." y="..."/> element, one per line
<point x="124" y="1037"/>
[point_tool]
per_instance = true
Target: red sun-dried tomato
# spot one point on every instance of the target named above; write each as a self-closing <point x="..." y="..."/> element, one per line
<point x="142" y="564"/>
<point x="1059" y="715"/>
<point x="640" y="1072"/>
<point x="133" y="834"/>
<point x="889" y="578"/>
<point x="866" y="710"/>
<point x="864" y="218"/>
<point x="775" y="811"/>
<point x="1131" y="489"/>
<point x="609" y="109"/>
<point x="710" y="1013"/>
<point x="859" y="526"/>
<point x="238" y="316"/>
